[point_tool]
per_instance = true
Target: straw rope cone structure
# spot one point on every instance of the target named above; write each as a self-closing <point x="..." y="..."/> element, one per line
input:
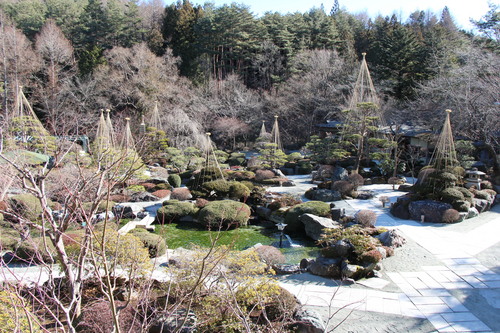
<point x="445" y="155"/>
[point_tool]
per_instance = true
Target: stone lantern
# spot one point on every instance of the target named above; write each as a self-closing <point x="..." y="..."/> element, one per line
<point x="473" y="177"/>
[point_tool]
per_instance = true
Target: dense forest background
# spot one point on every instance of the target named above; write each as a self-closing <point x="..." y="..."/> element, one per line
<point x="224" y="70"/>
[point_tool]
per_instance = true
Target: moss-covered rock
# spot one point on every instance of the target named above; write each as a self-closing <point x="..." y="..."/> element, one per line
<point x="225" y="213"/>
<point x="317" y="208"/>
<point x="173" y="210"/>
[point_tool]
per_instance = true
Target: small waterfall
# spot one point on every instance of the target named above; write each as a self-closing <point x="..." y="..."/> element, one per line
<point x="292" y="244"/>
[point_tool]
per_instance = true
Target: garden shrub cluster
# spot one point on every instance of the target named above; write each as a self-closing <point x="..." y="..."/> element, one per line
<point x="360" y="238"/>
<point x="344" y="187"/>
<point x="15" y="313"/>
<point x="285" y="200"/>
<point x="26" y="205"/>
<point x="155" y="244"/>
<point x="224" y="214"/>
<point x="173" y="210"/>
<point x="367" y="218"/>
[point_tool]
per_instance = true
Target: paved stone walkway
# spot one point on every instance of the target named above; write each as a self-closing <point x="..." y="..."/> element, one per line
<point x="426" y="293"/>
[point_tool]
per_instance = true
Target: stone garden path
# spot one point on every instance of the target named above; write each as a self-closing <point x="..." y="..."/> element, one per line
<point x="444" y="294"/>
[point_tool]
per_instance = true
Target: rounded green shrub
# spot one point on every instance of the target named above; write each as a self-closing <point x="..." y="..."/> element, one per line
<point x="224" y="213"/>
<point x="238" y="191"/>
<point x="370" y="257"/>
<point x="452" y="194"/>
<point x="317" y="208"/>
<point x="155" y="244"/>
<point x="451" y="216"/>
<point x="467" y="194"/>
<point x="175" y="180"/>
<point x="172" y="210"/>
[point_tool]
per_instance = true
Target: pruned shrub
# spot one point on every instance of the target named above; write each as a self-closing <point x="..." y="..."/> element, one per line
<point x="482" y="195"/>
<point x="175" y="180"/>
<point x="181" y="193"/>
<point x="97" y="317"/>
<point x="200" y="202"/>
<point x="356" y="180"/>
<point x="148" y="186"/>
<point x="367" y="218"/>
<point x="451" y="216"/>
<point x="155" y="244"/>
<point x="226" y="189"/>
<point x="286" y="200"/>
<point x="281" y="305"/>
<point x="119" y="198"/>
<point x="248" y="184"/>
<point x="344" y="187"/>
<point x="135" y="188"/>
<point x="162" y="193"/>
<point x="491" y="192"/>
<point x="172" y="210"/>
<point x="486" y="185"/>
<point x="261" y="175"/>
<point x="467" y="194"/>
<point x="224" y="213"/>
<point x="238" y="191"/>
<point x="163" y="186"/>
<point x="370" y="257"/>
<point x="270" y="255"/>
<point x="452" y="194"/>
<point x="241" y="175"/>
<point x="357" y="236"/>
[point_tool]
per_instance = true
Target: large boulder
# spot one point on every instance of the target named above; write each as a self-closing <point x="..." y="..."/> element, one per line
<point x="327" y="267"/>
<point x="324" y="172"/>
<point x="481" y="205"/>
<point x="391" y="238"/>
<point x="317" y="208"/>
<point x="323" y="195"/>
<point x="308" y="321"/>
<point x="365" y="195"/>
<point x="314" y="225"/>
<point x="473" y="212"/>
<point x="431" y="210"/>
<point x="339" y="173"/>
<point x="143" y="197"/>
<point x="342" y="248"/>
<point x="401" y="208"/>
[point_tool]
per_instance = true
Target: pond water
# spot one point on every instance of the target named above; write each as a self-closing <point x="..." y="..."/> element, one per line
<point x="186" y="234"/>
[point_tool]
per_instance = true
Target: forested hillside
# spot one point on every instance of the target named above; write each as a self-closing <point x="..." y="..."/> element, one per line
<point x="224" y="70"/>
